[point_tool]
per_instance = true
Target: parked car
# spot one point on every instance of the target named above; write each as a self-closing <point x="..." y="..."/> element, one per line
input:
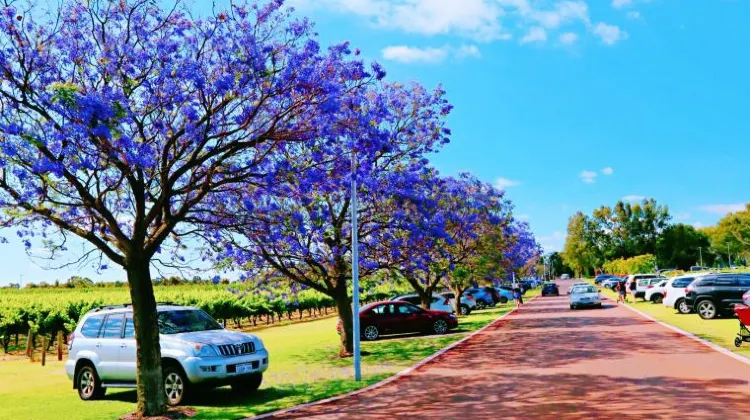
<point x="196" y="351"/>
<point x="674" y="293"/>
<point x="716" y="294"/>
<point x="550" y="289"/>
<point x="465" y="305"/>
<point x="655" y="292"/>
<point x="487" y="296"/>
<point x="601" y="277"/>
<point x="698" y="268"/>
<point x="611" y="282"/>
<point x="642" y="282"/>
<point x="584" y="296"/>
<point x="565" y="277"/>
<point x="438" y="303"/>
<point x="399" y="317"/>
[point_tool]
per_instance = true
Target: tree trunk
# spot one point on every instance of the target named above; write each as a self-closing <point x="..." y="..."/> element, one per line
<point x="150" y="386"/>
<point x="458" y="291"/>
<point x="344" y="305"/>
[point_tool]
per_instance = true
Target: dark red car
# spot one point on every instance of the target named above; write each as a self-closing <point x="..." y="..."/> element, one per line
<point x="380" y="318"/>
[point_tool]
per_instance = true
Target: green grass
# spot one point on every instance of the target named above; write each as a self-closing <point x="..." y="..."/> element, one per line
<point x="304" y="367"/>
<point x="721" y="331"/>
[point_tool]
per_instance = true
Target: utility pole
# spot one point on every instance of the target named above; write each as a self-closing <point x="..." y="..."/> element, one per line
<point x="729" y="255"/>
<point x="700" y="251"/>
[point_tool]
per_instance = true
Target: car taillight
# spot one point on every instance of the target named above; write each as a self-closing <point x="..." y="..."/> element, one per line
<point x="70" y="340"/>
<point x="687" y="290"/>
<point x="447" y="301"/>
<point x="665" y="293"/>
<point x="471" y="298"/>
<point x="650" y="286"/>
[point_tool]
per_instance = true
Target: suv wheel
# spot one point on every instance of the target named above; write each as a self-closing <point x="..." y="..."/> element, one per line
<point x="175" y="385"/>
<point x="657" y="298"/>
<point x="464" y="309"/>
<point x="249" y="384"/>
<point x="682" y="307"/>
<point x="503" y="300"/>
<point x="88" y="384"/>
<point x="706" y="309"/>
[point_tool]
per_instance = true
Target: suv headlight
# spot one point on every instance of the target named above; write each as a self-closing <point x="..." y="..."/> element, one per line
<point x="204" y="350"/>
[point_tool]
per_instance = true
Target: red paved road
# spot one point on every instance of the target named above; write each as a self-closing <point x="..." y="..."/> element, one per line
<point x="547" y="362"/>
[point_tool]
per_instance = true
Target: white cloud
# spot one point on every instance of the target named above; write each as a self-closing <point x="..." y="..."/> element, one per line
<point x="468" y="51"/>
<point x="568" y="38"/>
<point x="588" y="177"/>
<point x="535" y="34"/>
<point x="722" y="209"/>
<point x="609" y="34"/>
<point x="619" y="4"/>
<point x="523" y="216"/>
<point x="406" y="54"/>
<point x="503" y="183"/>
<point x="697" y="225"/>
<point x="479" y="20"/>
<point x="608" y="171"/>
<point x="634" y="15"/>
<point x="634" y="198"/>
<point x="683" y="216"/>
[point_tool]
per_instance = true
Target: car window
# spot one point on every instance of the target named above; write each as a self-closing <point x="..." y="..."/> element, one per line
<point x="744" y="281"/>
<point x="706" y="282"/>
<point x="679" y="283"/>
<point x="187" y="320"/>
<point x="129" y="328"/>
<point x="90" y="328"/>
<point x="408" y="309"/>
<point x="727" y="281"/>
<point x="113" y="326"/>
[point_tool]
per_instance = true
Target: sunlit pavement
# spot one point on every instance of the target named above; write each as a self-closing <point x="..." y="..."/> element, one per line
<point x="548" y="362"/>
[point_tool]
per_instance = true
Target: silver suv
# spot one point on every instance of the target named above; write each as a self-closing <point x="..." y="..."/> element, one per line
<point x="196" y="351"/>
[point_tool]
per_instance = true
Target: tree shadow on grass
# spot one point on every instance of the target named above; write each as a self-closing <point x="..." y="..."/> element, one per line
<point x="223" y="403"/>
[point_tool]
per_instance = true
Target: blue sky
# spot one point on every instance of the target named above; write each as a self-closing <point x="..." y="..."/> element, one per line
<point x="568" y="104"/>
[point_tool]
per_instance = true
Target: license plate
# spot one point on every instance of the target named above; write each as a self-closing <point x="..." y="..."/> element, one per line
<point x="244" y="368"/>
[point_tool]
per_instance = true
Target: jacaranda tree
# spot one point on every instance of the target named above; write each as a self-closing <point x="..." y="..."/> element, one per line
<point x="302" y="227"/>
<point x="121" y="120"/>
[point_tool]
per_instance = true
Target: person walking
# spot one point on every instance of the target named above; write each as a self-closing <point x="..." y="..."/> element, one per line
<point x="517" y="295"/>
<point x="621" y="293"/>
<point x="633" y="287"/>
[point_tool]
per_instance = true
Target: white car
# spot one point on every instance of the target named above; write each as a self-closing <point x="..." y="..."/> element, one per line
<point x="642" y="281"/>
<point x="585" y="295"/>
<point x="195" y="349"/>
<point x="655" y="292"/>
<point x="439" y="303"/>
<point x="576" y="284"/>
<point x="674" y="293"/>
<point x="564" y="277"/>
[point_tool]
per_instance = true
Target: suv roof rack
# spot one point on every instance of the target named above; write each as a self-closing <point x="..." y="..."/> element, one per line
<point x="124" y="305"/>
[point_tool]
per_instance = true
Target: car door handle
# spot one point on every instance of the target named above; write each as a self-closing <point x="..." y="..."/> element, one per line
<point x="98" y="345"/>
<point x="123" y="345"/>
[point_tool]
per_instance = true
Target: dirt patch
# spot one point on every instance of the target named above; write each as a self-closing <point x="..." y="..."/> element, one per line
<point x="172" y="413"/>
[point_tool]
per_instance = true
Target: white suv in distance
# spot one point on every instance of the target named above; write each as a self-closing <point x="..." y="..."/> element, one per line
<point x="196" y="351"/>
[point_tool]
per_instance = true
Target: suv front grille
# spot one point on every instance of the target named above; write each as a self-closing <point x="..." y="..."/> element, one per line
<point x="237" y="349"/>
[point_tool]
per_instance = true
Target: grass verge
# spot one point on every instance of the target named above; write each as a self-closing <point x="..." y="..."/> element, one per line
<point x="720" y="331"/>
<point x="304" y="368"/>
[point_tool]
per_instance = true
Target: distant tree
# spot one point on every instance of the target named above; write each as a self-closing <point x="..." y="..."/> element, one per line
<point x="732" y="235"/>
<point x="557" y="264"/>
<point x="680" y="246"/>
<point x="626" y="230"/>
<point x="580" y="252"/>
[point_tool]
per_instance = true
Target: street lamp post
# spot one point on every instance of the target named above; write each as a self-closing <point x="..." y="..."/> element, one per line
<point x="700" y="252"/>
<point x="355" y="276"/>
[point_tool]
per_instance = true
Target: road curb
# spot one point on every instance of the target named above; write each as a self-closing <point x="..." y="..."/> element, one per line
<point x="389" y="379"/>
<point x="689" y="335"/>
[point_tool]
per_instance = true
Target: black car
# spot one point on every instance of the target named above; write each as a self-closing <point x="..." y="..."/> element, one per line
<point x="716" y="294"/>
<point x="550" y="289"/>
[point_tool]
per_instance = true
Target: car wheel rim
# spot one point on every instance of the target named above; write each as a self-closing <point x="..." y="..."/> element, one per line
<point x="706" y="310"/>
<point x="371" y="333"/>
<point x="464" y="311"/>
<point x="86" y="383"/>
<point x="441" y="326"/>
<point x="683" y="307"/>
<point x="173" y="387"/>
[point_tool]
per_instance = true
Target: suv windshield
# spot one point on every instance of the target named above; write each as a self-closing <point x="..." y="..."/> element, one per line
<point x="188" y="320"/>
<point x="583" y="289"/>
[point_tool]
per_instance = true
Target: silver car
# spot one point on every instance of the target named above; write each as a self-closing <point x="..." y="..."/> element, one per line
<point x="196" y="351"/>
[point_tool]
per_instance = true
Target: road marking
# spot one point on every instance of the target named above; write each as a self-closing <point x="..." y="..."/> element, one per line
<point x="691" y="336"/>
<point x="390" y="379"/>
